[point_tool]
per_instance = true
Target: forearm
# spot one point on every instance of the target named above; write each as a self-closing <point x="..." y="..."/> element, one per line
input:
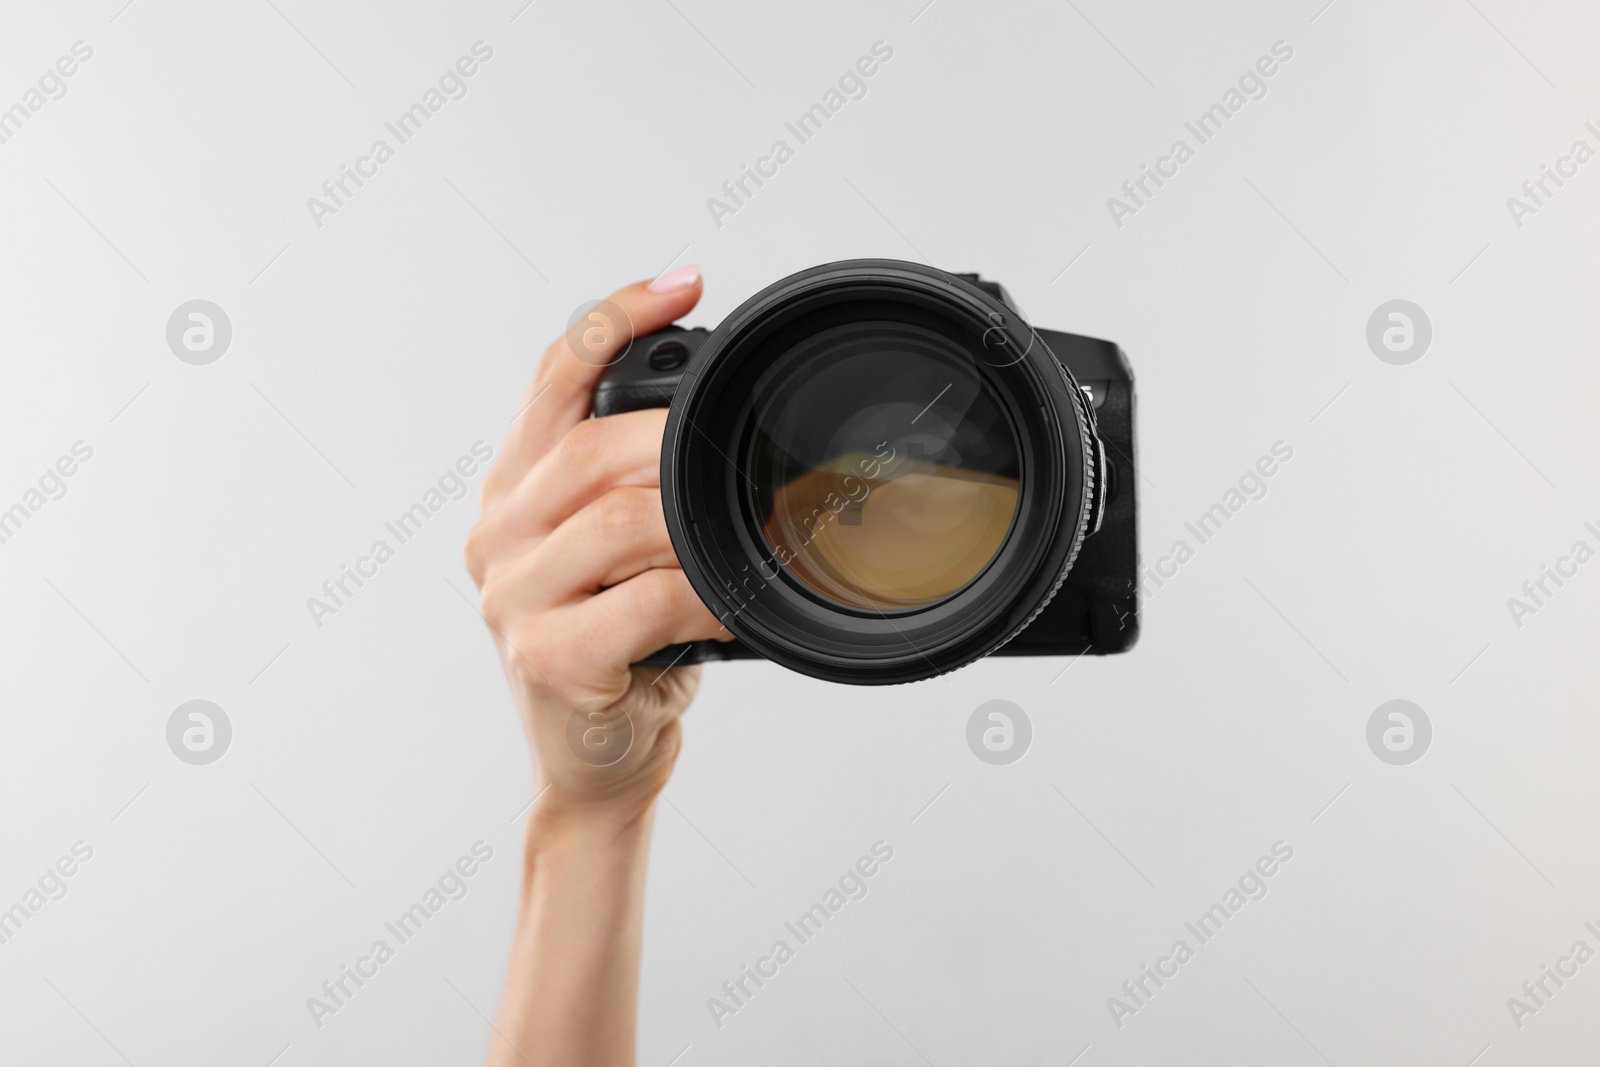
<point x="576" y="569"/>
<point x="572" y="982"/>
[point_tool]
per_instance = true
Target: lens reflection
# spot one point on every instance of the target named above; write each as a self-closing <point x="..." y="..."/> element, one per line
<point x="885" y="472"/>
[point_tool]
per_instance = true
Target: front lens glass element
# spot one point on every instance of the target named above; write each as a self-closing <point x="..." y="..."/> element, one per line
<point x="882" y="470"/>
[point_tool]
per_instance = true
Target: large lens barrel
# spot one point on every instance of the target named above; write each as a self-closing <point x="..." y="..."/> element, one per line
<point x="873" y="472"/>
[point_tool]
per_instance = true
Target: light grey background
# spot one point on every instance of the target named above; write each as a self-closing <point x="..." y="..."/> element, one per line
<point x="368" y="354"/>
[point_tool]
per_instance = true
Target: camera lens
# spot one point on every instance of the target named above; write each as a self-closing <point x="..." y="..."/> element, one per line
<point x="873" y="472"/>
<point x="882" y="468"/>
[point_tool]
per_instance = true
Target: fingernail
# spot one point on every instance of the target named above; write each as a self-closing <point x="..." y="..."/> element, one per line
<point x="681" y="278"/>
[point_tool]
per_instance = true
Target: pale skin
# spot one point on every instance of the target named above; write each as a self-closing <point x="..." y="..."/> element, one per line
<point x="579" y="580"/>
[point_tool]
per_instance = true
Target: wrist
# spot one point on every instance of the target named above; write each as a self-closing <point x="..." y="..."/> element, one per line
<point x="561" y="826"/>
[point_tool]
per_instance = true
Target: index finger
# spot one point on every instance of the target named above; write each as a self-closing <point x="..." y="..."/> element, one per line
<point x="563" y="386"/>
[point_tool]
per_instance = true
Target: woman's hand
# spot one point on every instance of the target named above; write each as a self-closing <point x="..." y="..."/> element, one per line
<point x="579" y="580"/>
<point x="578" y="575"/>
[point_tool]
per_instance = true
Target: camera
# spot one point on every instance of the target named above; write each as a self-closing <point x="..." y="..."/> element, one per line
<point x="875" y="471"/>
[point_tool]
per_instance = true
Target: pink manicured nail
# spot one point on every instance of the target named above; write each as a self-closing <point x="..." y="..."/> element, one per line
<point x="681" y="278"/>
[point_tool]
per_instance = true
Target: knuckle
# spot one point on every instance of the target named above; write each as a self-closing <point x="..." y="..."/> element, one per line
<point x="525" y="636"/>
<point x="489" y="487"/>
<point x="622" y="513"/>
<point x="475" y="552"/>
<point x="582" y="446"/>
<point x="497" y="599"/>
<point x="554" y="353"/>
<point x="661" y="593"/>
<point x="527" y="644"/>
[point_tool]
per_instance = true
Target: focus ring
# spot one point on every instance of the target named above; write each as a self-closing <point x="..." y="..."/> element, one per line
<point x="1089" y="452"/>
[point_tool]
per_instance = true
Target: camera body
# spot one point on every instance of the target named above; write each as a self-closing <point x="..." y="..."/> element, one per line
<point x="1093" y="610"/>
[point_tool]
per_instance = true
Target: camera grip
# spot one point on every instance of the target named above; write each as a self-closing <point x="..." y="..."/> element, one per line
<point x="648" y="371"/>
<point x="645" y="376"/>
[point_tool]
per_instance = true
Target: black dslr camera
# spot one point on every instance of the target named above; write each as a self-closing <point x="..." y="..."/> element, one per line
<point x="874" y="471"/>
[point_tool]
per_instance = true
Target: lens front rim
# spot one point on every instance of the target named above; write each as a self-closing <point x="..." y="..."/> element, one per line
<point x="737" y="576"/>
